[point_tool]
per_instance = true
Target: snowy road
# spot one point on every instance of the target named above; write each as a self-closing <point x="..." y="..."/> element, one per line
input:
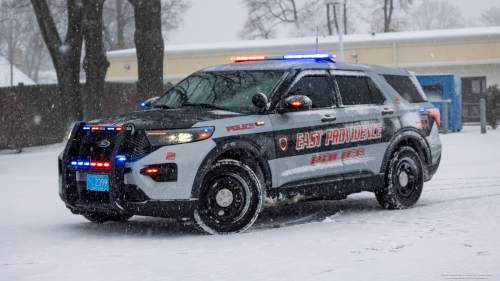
<point x="454" y="228"/>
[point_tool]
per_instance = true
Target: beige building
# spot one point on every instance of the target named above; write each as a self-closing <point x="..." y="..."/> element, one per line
<point x="471" y="52"/>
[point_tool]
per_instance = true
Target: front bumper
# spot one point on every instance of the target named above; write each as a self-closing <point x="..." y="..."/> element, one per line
<point x="123" y="197"/>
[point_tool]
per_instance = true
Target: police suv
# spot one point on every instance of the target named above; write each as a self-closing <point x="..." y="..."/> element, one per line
<point x="231" y="140"/>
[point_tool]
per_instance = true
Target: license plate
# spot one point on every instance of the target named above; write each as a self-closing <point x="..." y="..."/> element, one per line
<point x="97" y="182"/>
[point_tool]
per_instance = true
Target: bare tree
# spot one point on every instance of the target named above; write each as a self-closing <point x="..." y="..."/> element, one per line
<point x="491" y="17"/>
<point x="12" y="32"/>
<point x="433" y="14"/>
<point x="119" y="18"/>
<point x="389" y="15"/>
<point x="265" y="15"/>
<point x="149" y="43"/>
<point x="95" y="62"/>
<point x="118" y="30"/>
<point x="172" y="15"/>
<point x="65" y="54"/>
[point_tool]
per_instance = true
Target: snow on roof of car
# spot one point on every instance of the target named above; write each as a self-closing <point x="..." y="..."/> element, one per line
<point x="308" y="44"/>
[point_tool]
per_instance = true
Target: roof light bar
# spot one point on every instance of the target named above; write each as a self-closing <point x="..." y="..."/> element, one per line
<point x="101" y="128"/>
<point x="310" y="56"/>
<point x="250" y="58"/>
<point x="285" y="57"/>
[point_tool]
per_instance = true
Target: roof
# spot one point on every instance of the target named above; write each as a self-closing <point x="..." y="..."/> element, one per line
<point x="308" y="44"/>
<point x="19" y="76"/>
<point x="305" y="64"/>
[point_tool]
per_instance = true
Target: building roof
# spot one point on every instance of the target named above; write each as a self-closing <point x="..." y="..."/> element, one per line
<point x="308" y="44"/>
<point x="19" y="76"/>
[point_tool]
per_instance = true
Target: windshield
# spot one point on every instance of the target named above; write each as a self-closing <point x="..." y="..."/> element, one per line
<point x="233" y="89"/>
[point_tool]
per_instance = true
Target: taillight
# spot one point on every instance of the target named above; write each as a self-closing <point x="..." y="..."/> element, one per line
<point x="434" y="112"/>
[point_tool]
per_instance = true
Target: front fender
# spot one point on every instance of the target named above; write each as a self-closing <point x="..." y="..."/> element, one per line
<point x="228" y="144"/>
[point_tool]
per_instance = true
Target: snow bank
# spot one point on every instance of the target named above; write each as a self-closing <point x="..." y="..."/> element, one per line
<point x="452" y="229"/>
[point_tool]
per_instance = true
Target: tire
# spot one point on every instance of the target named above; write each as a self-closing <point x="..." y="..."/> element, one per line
<point x="104" y="217"/>
<point x="229" y="200"/>
<point x="404" y="180"/>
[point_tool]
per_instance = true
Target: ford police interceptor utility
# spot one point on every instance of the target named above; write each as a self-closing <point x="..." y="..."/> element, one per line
<point x="231" y="140"/>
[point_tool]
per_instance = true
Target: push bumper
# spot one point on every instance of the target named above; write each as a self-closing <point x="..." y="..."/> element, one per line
<point x="122" y="198"/>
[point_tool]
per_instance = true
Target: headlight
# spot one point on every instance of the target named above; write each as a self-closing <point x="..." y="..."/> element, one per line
<point x="69" y="137"/>
<point x="171" y="137"/>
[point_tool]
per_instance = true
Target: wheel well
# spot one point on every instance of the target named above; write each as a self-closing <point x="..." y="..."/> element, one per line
<point x="250" y="159"/>
<point x="415" y="144"/>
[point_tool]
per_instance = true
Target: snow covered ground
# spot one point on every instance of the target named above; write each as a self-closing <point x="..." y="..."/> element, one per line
<point x="454" y="228"/>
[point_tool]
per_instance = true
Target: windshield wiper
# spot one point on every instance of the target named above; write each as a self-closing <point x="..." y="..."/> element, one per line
<point x="205" y="105"/>
<point x="163" y="106"/>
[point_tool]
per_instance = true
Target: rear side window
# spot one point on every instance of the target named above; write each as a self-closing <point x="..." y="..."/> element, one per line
<point x="358" y="90"/>
<point x="405" y="87"/>
<point x="316" y="88"/>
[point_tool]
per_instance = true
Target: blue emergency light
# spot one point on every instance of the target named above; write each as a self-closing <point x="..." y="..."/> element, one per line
<point x="310" y="56"/>
<point x="285" y="57"/>
<point x="121" y="158"/>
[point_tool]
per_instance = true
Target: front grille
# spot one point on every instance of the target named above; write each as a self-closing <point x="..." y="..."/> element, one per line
<point x="86" y="146"/>
<point x="140" y="146"/>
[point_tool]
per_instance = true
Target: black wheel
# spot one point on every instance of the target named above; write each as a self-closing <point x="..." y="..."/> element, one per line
<point x="404" y="180"/>
<point x="230" y="198"/>
<point x="104" y="217"/>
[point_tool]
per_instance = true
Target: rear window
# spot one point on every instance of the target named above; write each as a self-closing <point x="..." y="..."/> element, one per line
<point x="406" y="88"/>
<point x="358" y="90"/>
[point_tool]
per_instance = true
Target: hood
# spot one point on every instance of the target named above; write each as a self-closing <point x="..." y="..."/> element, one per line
<point x="158" y="119"/>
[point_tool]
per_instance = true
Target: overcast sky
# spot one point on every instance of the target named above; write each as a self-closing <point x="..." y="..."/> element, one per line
<point x="220" y="20"/>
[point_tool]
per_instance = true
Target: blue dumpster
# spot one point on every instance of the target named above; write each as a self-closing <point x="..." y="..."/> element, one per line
<point x="445" y="87"/>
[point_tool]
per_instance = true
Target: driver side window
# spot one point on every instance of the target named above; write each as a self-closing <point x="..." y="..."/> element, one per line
<point x="316" y="88"/>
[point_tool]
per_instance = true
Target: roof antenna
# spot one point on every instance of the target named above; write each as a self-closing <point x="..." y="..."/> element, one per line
<point x="316" y="39"/>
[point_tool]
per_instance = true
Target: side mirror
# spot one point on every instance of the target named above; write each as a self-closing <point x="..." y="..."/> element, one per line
<point x="149" y="102"/>
<point x="259" y="100"/>
<point x="297" y="103"/>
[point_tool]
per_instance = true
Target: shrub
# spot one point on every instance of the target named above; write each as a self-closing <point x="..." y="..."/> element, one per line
<point x="14" y="120"/>
<point x="492" y="97"/>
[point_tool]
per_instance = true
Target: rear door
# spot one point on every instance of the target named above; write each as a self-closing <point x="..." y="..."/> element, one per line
<point x="366" y="120"/>
<point x="300" y="135"/>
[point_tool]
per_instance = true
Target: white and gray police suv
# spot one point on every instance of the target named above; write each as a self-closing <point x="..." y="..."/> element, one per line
<point x="231" y="140"/>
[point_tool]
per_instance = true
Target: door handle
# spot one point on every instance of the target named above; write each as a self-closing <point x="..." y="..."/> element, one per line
<point x="387" y="111"/>
<point x="328" y="118"/>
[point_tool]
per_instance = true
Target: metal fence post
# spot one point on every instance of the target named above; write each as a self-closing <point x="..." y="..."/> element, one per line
<point x="482" y="107"/>
<point x="444" y="109"/>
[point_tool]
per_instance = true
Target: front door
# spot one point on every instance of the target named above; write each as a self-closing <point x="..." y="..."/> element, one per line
<point x="300" y="136"/>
